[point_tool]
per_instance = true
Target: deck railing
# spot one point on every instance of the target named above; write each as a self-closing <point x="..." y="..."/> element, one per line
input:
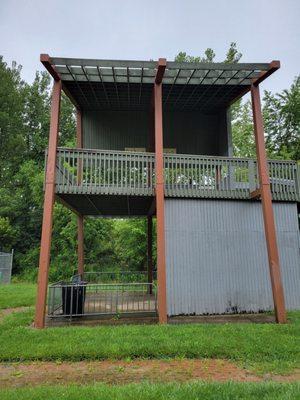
<point x="132" y="173"/>
<point x="104" y="172"/>
<point x="225" y="177"/>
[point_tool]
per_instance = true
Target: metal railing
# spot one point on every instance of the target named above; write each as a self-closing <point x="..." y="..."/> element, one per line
<point x="115" y="276"/>
<point x="129" y="173"/>
<point x="84" y="299"/>
<point x="6" y="264"/>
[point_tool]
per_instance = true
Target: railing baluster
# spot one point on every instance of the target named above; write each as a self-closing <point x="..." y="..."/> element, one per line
<point x="119" y="172"/>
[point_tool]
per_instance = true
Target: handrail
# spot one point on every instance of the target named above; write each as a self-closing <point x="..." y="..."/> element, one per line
<point x="95" y="171"/>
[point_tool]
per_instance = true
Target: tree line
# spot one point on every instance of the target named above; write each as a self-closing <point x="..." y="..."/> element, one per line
<point x="109" y="244"/>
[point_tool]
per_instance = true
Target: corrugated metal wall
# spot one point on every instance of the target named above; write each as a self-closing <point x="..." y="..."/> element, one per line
<point x="217" y="258"/>
<point x="188" y="132"/>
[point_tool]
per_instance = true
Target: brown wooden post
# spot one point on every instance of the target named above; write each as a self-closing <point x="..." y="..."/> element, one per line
<point x="149" y="252"/>
<point x="48" y="208"/>
<point x="160" y="201"/>
<point x="80" y="218"/>
<point x="268" y="215"/>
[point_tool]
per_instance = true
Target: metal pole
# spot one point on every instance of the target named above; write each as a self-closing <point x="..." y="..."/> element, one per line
<point x="80" y="219"/>
<point x="160" y="201"/>
<point x="48" y="208"/>
<point x="149" y="253"/>
<point x="268" y="215"/>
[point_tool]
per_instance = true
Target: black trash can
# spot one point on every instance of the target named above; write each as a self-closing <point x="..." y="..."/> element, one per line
<point x="73" y="298"/>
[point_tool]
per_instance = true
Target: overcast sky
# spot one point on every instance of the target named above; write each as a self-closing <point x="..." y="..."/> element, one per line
<point x="264" y="30"/>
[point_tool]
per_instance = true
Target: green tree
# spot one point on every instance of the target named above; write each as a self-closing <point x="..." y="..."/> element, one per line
<point x="282" y="122"/>
<point x="11" y="123"/>
<point x="232" y="56"/>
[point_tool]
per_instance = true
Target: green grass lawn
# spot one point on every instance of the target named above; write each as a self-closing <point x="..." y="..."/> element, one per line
<point x="264" y="347"/>
<point x="144" y="391"/>
<point x="259" y="347"/>
<point x="17" y="295"/>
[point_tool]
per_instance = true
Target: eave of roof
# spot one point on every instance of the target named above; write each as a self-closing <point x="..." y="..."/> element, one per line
<point x="106" y="84"/>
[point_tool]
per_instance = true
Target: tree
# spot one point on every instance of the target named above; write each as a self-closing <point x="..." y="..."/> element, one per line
<point x="12" y="97"/>
<point x="232" y="56"/>
<point x="282" y="122"/>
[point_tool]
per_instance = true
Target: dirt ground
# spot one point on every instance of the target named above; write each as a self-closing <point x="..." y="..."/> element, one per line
<point x="121" y="372"/>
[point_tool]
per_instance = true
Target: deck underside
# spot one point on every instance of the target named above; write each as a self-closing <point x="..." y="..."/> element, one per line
<point x="108" y="205"/>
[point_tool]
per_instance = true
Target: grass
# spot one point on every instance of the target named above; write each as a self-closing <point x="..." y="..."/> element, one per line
<point x="263" y="347"/>
<point x="17" y="295"/>
<point x="144" y="391"/>
<point x="260" y="347"/>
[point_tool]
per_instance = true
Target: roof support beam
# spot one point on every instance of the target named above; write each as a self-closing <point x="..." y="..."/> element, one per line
<point x="49" y="199"/>
<point x="149" y="254"/>
<point x="159" y="192"/>
<point x="161" y="66"/>
<point x="46" y="61"/>
<point x="268" y="215"/>
<point x="80" y="218"/>
<point x="273" y="66"/>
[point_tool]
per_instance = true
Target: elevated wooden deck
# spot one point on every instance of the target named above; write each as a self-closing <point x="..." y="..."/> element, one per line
<point x="83" y="175"/>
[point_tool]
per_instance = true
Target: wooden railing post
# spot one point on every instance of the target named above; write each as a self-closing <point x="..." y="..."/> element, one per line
<point x="80" y="219"/>
<point x="49" y="199"/>
<point x="266" y="199"/>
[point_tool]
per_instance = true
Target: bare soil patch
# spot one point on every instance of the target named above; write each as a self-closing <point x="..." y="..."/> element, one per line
<point x="7" y="311"/>
<point x="121" y="372"/>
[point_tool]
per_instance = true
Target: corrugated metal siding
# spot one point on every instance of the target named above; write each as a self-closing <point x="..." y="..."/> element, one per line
<point x="217" y="259"/>
<point x="115" y="130"/>
<point x="188" y="132"/>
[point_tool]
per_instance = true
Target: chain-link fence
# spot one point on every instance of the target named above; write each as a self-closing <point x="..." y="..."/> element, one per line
<point x="6" y="262"/>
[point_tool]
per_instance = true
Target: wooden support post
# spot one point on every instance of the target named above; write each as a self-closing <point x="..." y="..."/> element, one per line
<point x="149" y="253"/>
<point x="160" y="200"/>
<point x="266" y="199"/>
<point x="80" y="219"/>
<point x="80" y="247"/>
<point x="48" y="208"/>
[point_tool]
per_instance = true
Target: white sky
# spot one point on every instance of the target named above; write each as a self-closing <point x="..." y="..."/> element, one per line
<point x="135" y="29"/>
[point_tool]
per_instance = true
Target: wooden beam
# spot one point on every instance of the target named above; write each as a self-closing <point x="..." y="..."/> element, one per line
<point x="149" y="253"/>
<point x="161" y="66"/>
<point x="268" y="215"/>
<point x="255" y="194"/>
<point x="66" y="204"/>
<point x="160" y="200"/>
<point x="49" y="199"/>
<point x="152" y="209"/>
<point x="274" y="66"/>
<point x="80" y="244"/>
<point x="80" y="219"/>
<point x="46" y="61"/>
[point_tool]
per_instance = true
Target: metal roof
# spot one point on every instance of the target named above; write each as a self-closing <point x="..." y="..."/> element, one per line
<point x="117" y="84"/>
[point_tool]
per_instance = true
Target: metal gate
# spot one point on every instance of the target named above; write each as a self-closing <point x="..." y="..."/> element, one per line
<point x="6" y="261"/>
